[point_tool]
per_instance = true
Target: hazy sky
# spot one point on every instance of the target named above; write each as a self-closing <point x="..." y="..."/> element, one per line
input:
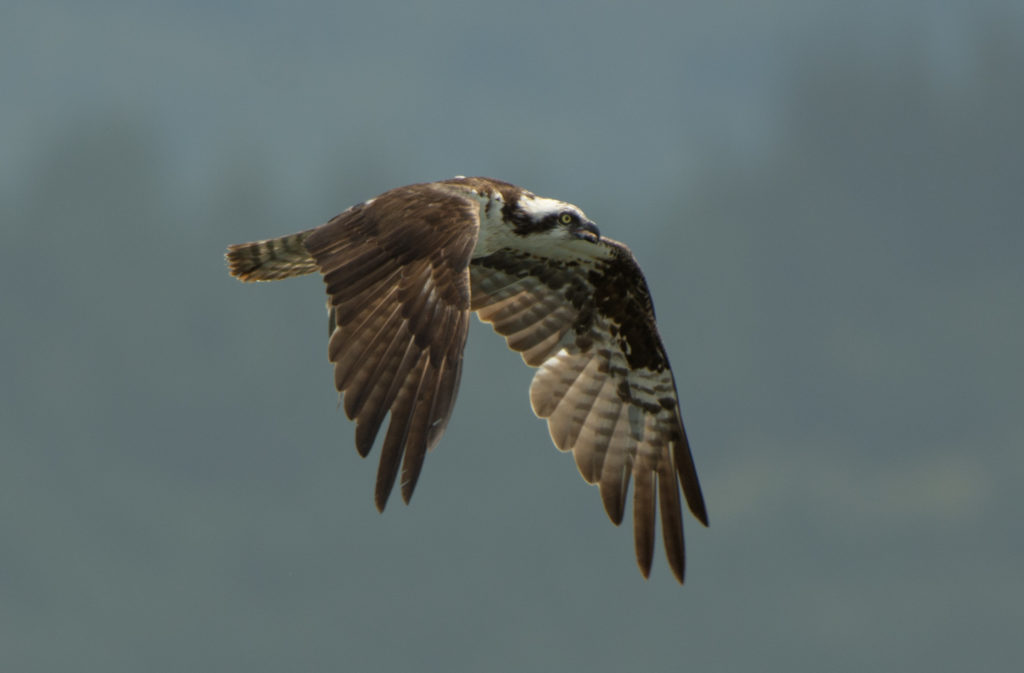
<point x="826" y="199"/>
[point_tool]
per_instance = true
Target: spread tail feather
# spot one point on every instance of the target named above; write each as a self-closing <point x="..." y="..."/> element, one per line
<point x="272" y="259"/>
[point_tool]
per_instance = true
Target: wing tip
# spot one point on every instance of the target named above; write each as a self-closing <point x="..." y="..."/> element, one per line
<point x="695" y="500"/>
<point x="702" y="515"/>
<point x="644" y="570"/>
<point x="408" y="488"/>
<point x="381" y="495"/>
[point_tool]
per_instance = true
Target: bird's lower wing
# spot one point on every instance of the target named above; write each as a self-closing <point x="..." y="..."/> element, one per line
<point x="620" y="421"/>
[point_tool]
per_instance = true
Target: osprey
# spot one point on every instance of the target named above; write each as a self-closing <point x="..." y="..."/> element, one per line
<point x="403" y="272"/>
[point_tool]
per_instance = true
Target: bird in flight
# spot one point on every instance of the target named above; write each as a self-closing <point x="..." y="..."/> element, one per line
<point x="403" y="272"/>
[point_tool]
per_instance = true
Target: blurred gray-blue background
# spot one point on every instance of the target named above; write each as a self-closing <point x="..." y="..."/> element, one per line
<point x="827" y="200"/>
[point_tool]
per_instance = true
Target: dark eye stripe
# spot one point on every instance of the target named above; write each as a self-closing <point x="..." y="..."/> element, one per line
<point x="525" y="226"/>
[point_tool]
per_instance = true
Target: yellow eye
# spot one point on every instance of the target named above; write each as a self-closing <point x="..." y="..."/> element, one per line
<point x="566" y="218"/>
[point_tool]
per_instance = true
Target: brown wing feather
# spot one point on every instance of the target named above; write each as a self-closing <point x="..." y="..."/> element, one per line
<point x="603" y="381"/>
<point x="398" y="294"/>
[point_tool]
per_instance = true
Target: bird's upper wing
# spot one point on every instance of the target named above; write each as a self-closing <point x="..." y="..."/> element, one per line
<point x="603" y="380"/>
<point x="396" y="270"/>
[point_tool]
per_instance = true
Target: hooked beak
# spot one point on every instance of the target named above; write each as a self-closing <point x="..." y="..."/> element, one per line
<point x="587" y="230"/>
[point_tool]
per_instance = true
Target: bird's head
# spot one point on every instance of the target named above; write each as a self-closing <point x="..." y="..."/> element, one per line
<point x="549" y="219"/>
